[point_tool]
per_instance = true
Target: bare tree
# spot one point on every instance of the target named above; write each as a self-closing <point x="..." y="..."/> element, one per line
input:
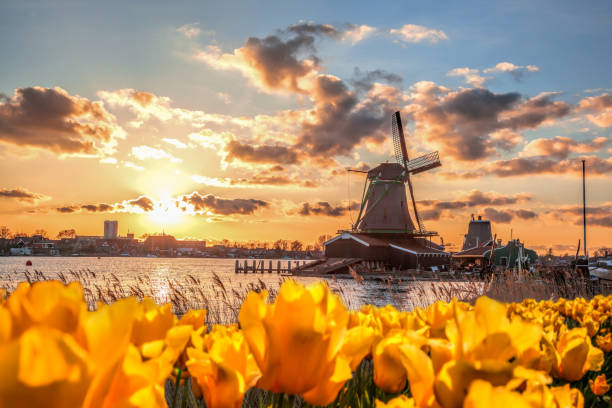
<point x="296" y="246"/>
<point x="5" y="232"/>
<point x="67" y="233"/>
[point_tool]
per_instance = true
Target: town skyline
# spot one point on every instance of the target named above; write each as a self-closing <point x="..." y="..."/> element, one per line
<point x="207" y="124"/>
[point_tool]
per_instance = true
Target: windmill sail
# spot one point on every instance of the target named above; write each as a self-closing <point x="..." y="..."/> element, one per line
<point x="401" y="155"/>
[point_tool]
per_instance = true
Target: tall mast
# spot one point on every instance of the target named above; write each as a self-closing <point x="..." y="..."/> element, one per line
<point x="586" y="253"/>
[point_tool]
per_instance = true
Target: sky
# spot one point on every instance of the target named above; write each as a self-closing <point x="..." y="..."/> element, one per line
<point x="237" y="120"/>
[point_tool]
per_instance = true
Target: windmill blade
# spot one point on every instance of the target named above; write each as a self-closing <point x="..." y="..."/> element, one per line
<point x="423" y="163"/>
<point x="401" y="155"/>
<point x="399" y="142"/>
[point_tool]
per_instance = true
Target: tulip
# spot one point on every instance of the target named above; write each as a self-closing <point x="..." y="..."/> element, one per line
<point x="357" y="344"/>
<point x="296" y="341"/>
<point x="600" y="385"/>
<point x="389" y="372"/>
<point x="44" y="367"/>
<point x="484" y="395"/>
<point x="604" y="342"/>
<point x="567" y="397"/>
<point x="575" y="355"/>
<point x="49" y="303"/>
<point x="223" y="368"/>
<point x="398" y="402"/>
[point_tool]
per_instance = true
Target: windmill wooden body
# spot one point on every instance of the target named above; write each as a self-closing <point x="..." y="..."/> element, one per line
<point x="384" y="231"/>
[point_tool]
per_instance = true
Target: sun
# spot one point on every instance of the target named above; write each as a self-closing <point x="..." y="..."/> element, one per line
<point x="165" y="212"/>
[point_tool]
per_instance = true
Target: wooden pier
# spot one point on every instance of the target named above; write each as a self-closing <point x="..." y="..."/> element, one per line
<point x="260" y="266"/>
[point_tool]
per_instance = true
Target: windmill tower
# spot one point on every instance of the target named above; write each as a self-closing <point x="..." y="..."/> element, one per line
<point x="385" y="233"/>
<point x="384" y="207"/>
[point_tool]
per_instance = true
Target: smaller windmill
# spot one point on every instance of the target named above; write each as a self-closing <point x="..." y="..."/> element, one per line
<point x="384" y="208"/>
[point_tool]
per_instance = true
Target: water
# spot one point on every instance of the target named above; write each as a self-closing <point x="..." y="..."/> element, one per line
<point x="158" y="277"/>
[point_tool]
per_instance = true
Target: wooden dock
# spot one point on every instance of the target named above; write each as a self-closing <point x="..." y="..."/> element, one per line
<point x="260" y="266"/>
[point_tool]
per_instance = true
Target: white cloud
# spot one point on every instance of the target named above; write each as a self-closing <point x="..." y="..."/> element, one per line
<point x="190" y="30"/>
<point x="176" y="143"/>
<point x="358" y="33"/>
<point x="415" y="33"/>
<point x="471" y="76"/>
<point x="147" y="152"/>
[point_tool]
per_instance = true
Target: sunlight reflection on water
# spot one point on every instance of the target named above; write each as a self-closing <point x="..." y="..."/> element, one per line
<point x="157" y="275"/>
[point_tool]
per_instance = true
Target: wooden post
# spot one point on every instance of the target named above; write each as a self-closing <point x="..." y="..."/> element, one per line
<point x="270" y="267"/>
<point x="237" y="266"/>
<point x="278" y="267"/>
<point x="246" y="266"/>
<point x="254" y="266"/>
<point x="262" y="264"/>
<point x="288" y="266"/>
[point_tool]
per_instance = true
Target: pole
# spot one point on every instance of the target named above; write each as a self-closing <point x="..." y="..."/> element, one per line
<point x="586" y="252"/>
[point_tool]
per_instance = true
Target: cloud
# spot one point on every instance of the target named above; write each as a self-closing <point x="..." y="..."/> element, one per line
<point x="147" y="152"/>
<point x="415" y="34"/>
<point x="341" y="117"/>
<point x="22" y="195"/>
<point x="340" y="120"/>
<point x="366" y="80"/>
<point x="254" y="181"/>
<point x="67" y="209"/>
<point x="97" y="207"/>
<point x="517" y="71"/>
<point x="470" y="75"/>
<point x="190" y="30"/>
<point x="326" y="209"/>
<point x="176" y="143"/>
<point x="224" y="97"/>
<point x="223" y="206"/>
<point x="598" y="109"/>
<point x="275" y="154"/>
<point x="599" y="215"/>
<point x="143" y="202"/>
<point x="53" y="120"/>
<point x="464" y="123"/>
<point x="356" y="33"/>
<point x="560" y="147"/>
<point x="476" y="198"/>
<point x="500" y="216"/>
<point x="529" y="166"/>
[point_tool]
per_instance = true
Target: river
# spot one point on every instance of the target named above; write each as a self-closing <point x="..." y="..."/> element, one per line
<point x="198" y="282"/>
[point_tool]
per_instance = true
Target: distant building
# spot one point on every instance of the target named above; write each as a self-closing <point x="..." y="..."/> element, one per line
<point x="476" y="242"/>
<point x="479" y="234"/>
<point x="160" y="245"/>
<point x="110" y="229"/>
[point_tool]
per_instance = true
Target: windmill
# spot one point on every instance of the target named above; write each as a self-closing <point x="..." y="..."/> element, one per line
<point x="384" y="208"/>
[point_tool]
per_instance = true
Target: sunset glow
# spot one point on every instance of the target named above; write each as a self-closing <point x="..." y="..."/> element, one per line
<point x="203" y="122"/>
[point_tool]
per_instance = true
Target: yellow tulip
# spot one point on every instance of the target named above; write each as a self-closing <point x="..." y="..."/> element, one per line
<point x="389" y="372"/>
<point x="152" y="322"/>
<point x="296" y="341"/>
<point x="131" y="382"/>
<point x="398" y="402"/>
<point x="484" y="395"/>
<point x="600" y="385"/>
<point x="575" y="355"/>
<point x="357" y="345"/>
<point x="44" y="367"/>
<point x="604" y="342"/>
<point x="567" y="397"/>
<point x="49" y="303"/>
<point x="419" y="370"/>
<point x="224" y="368"/>
<point x="195" y="318"/>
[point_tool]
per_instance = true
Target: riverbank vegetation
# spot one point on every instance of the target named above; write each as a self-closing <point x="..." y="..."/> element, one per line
<point x="301" y="346"/>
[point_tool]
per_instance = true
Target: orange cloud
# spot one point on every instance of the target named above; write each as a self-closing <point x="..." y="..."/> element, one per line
<point x="53" y="120"/>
